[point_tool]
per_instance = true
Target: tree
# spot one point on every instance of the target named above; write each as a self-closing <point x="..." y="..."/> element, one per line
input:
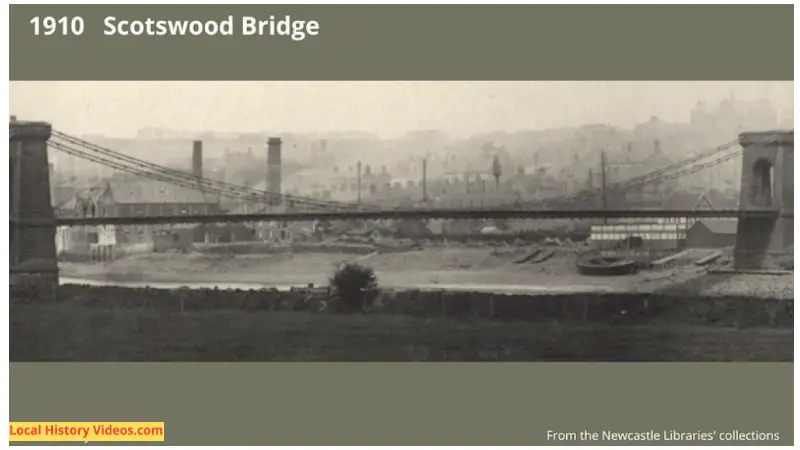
<point x="353" y="287"/>
<point x="497" y="171"/>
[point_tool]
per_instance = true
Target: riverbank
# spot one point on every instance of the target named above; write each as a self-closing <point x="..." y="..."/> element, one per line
<point x="465" y="269"/>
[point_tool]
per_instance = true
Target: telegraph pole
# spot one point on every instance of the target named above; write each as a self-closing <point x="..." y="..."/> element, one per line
<point x="603" y="182"/>
<point x="425" y="180"/>
<point x="358" y="183"/>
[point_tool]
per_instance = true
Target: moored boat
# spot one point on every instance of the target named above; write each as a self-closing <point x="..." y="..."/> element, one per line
<point x="594" y="264"/>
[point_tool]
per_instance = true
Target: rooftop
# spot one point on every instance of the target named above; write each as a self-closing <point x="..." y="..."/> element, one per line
<point x="154" y="191"/>
<point x="720" y="226"/>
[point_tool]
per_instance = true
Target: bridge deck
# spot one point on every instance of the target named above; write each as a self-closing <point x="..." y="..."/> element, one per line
<point x="300" y="216"/>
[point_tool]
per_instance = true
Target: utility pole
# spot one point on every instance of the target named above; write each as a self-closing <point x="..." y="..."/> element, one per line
<point x="497" y="171"/>
<point x="358" y="183"/>
<point x="424" y="180"/>
<point x="603" y="183"/>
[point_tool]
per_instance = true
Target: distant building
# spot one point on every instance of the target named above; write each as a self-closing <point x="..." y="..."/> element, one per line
<point x="658" y="233"/>
<point x="695" y="201"/>
<point x="731" y="115"/>
<point x="473" y="177"/>
<point x="137" y="198"/>
<point x="627" y="166"/>
<point x="651" y="234"/>
<point x="178" y="237"/>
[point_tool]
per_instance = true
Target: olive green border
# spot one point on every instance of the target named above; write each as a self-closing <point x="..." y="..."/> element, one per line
<point x="409" y="404"/>
<point x="429" y="42"/>
<point x="456" y="404"/>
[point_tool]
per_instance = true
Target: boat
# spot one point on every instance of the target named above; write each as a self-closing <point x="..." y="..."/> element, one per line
<point x="594" y="264"/>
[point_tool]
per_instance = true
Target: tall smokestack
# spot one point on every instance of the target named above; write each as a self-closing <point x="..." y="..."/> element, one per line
<point x="274" y="167"/>
<point x="197" y="159"/>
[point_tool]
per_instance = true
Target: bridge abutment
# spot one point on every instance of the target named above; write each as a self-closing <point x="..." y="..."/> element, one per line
<point x="33" y="225"/>
<point x="767" y="184"/>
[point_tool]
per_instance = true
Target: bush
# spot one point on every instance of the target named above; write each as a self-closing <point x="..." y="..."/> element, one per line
<point x="353" y="287"/>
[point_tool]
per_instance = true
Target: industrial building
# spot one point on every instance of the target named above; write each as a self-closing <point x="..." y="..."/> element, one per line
<point x="664" y="234"/>
<point x="712" y="233"/>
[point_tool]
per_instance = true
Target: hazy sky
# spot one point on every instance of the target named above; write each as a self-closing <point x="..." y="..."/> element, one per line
<point x="386" y="108"/>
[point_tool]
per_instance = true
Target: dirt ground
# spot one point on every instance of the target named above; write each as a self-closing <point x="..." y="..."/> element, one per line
<point x="429" y="267"/>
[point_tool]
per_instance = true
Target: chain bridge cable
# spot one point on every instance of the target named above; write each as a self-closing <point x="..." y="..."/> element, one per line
<point x="60" y="146"/>
<point x="672" y="171"/>
<point x="254" y="196"/>
<point x="199" y="181"/>
<point x="115" y="164"/>
<point x="692" y="163"/>
<point x="238" y="194"/>
<point x="134" y="170"/>
<point x="170" y="175"/>
<point x="302" y="199"/>
<point x="650" y="177"/>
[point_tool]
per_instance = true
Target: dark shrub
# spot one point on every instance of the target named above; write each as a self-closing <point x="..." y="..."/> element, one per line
<point x="353" y="287"/>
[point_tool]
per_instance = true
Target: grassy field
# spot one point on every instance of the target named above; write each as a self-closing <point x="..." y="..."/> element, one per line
<point x="73" y="331"/>
<point x="70" y="332"/>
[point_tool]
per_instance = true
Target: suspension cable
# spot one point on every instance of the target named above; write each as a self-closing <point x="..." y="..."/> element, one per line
<point x="191" y="177"/>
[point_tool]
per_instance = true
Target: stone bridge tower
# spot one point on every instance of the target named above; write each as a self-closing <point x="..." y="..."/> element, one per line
<point x="767" y="185"/>
<point x="33" y="225"/>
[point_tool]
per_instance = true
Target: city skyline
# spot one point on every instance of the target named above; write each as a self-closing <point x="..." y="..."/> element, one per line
<point x="388" y="109"/>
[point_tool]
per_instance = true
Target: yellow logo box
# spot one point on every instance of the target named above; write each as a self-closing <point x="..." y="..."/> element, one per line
<point x="86" y="431"/>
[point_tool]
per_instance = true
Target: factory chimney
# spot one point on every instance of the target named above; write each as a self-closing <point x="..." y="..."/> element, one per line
<point x="197" y="159"/>
<point x="274" y="168"/>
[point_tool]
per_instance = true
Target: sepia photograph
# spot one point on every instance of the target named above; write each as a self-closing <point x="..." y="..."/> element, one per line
<point x="625" y="221"/>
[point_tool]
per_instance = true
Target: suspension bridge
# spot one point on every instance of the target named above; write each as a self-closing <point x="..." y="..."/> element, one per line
<point x="300" y="208"/>
<point x="765" y="212"/>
